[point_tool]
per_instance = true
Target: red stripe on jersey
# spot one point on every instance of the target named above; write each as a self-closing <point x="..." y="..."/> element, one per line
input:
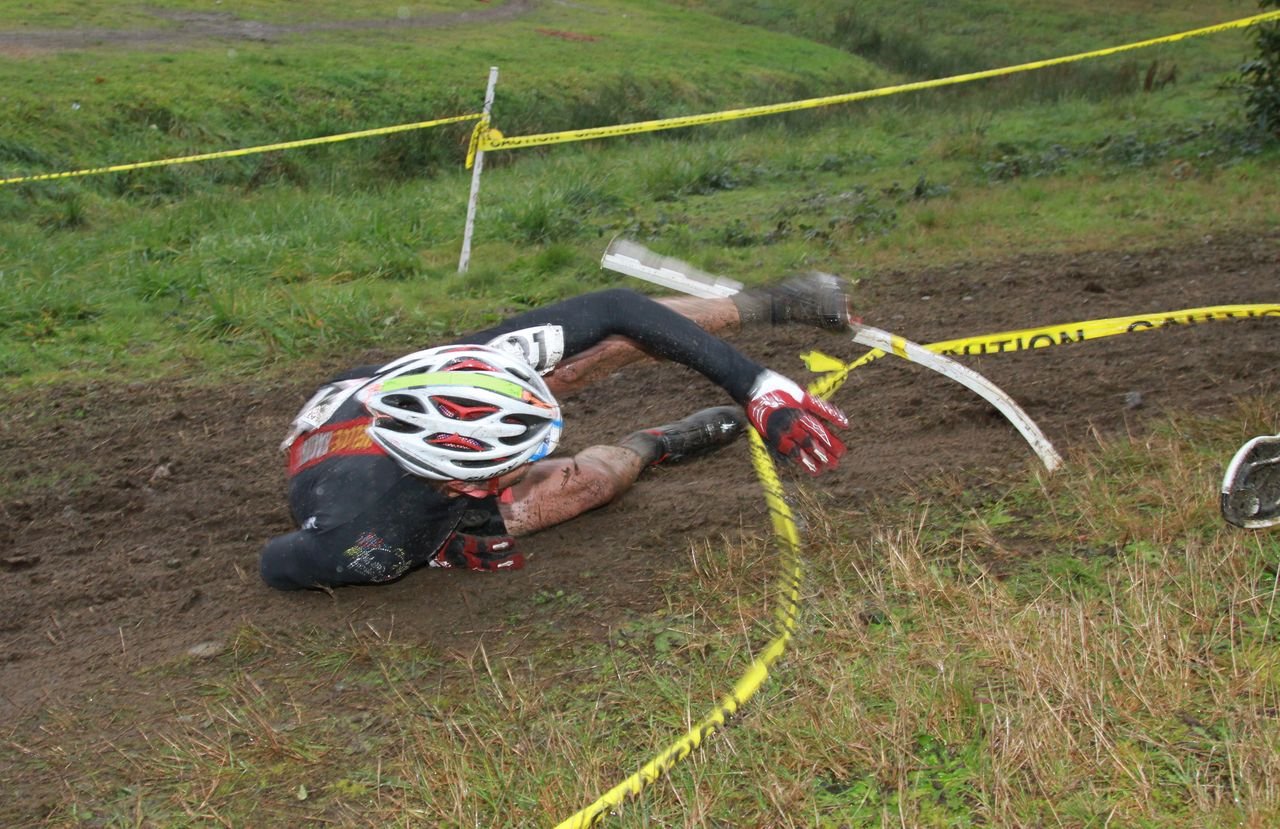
<point x="331" y="441"/>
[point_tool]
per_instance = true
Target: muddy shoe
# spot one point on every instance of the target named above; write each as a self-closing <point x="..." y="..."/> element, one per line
<point x="817" y="299"/>
<point x="1251" y="486"/>
<point x="698" y="434"/>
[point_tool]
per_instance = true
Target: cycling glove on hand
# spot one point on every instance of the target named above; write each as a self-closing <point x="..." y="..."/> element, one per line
<point x="476" y="552"/>
<point x="795" y="424"/>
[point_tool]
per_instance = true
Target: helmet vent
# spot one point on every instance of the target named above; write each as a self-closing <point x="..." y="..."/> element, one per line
<point x="405" y="401"/>
<point x="460" y="408"/>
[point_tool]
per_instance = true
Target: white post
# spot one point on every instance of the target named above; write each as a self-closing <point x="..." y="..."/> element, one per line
<point x="476" y="167"/>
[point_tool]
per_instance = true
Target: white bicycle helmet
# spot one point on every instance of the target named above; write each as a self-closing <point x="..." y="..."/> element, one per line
<point x="462" y="413"/>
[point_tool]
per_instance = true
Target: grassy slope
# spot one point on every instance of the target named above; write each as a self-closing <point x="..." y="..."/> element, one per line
<point x="1072" y="692"/>
<point x="232" y="264"/>
<point x="253" y="258"/>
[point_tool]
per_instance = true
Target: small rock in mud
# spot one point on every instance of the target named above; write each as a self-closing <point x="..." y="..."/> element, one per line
<point x="206" y="650"/>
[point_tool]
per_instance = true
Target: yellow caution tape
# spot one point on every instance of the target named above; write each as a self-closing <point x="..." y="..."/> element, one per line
<point x="266" y="148"/>
<point x="784" y="527"/>
<point x="474" y="144"/>
<point x="494" y="140"/>
<point x="1045" y="337"/>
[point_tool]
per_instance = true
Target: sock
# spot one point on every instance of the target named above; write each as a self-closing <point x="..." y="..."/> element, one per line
<point x="647" y="446"/>
<point x="754" y="306"/>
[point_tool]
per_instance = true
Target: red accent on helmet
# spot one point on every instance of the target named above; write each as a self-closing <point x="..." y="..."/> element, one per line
<point x="460" y="410"/>
<point x="470" y="364"/>
<point x="456" y="441"/>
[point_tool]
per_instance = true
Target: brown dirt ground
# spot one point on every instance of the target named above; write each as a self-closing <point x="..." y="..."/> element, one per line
<point x="134" y="513"/>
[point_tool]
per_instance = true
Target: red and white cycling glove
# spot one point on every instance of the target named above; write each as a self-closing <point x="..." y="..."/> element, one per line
<point x="795" y="424"/>
<point x="479" y="552"/>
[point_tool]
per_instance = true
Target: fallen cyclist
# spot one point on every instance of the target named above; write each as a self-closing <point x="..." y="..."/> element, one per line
<point x="442" y="457"/>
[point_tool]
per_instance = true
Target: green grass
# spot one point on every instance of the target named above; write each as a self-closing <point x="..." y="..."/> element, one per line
<point x="94" y="284"/>
<point x="238" y="264"/>
<point x="925" y="39"/>
<point x="89" y="108"/>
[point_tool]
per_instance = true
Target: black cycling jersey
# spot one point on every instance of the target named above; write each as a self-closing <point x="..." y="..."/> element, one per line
<point x="364" y="520"/>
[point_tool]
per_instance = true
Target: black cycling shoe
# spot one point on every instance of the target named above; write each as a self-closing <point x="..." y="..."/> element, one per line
<point x="1251" y="485"/>
<point x="817" y="299"/>
<point x="698" y="434"/>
